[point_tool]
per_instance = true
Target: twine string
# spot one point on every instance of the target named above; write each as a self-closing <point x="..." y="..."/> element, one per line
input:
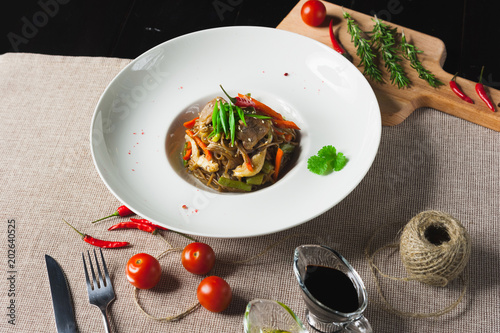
<point x="426" y="261"/>
<point x="168" y="318"/>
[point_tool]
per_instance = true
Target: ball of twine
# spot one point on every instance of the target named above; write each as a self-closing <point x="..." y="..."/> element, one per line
<point x="434" y="248"/>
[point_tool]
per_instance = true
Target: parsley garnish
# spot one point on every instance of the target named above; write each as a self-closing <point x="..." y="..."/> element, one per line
<point x="326" y="161"/>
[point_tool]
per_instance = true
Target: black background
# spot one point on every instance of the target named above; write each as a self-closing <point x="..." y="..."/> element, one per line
<point x="127" y="28"/>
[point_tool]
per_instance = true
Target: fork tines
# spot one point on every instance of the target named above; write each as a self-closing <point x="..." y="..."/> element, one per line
<point x="100" y="282"/>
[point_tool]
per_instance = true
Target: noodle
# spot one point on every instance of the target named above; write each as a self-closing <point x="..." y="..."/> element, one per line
<point x="237" y="153"/>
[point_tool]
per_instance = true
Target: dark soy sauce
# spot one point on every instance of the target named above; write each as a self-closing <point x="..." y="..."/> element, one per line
<point x="332" y="288"/>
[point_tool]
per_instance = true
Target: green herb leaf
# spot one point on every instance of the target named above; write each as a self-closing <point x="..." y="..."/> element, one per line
<point x="329" y="152"/>
<point x="339" y="162"/>
<point x="364" y="50"/>
<point x="326" y="161"/>
<point x="410" y="52"/>
<point x="317" y="165"/>
<point x="383" y="40"/>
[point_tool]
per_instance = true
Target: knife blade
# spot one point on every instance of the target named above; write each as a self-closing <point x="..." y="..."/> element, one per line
<point x="61" y="299"/>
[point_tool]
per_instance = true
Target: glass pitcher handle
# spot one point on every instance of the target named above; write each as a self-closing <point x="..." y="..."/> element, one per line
<point x="360" y="325"/>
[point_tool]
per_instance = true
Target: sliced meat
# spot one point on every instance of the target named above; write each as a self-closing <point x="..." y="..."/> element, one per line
<point x="208" y="109"/>
<point x="255" y="130"/>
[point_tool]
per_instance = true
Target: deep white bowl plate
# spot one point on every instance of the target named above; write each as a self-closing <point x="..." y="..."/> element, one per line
<point x="137" y="134"/>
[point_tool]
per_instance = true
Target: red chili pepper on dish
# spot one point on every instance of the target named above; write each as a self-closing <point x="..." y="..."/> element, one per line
<point x="454" y="87"/>
<point x="98" y="242"/>
<point x="335" y="44"/>
<point x="482" y="93"/>
<point x="120" y="211"/>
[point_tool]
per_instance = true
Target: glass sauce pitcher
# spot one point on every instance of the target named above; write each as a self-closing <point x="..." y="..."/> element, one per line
<point x="324" y="274"/>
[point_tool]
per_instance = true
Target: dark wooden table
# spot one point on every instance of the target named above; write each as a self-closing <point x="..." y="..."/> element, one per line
<point x="127" y="28"/>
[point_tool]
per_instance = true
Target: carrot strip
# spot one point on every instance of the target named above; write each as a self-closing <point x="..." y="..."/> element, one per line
<point x="262" y="107"/>
<point x="190" y="123"/>
<point x="200" y="143"/>
<point x="277" y="164"/>
<point x="285" y="124"/>
<point x="187" y="156"/>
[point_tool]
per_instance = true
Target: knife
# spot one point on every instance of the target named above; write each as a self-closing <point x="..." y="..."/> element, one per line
<point x="61" y="299"/>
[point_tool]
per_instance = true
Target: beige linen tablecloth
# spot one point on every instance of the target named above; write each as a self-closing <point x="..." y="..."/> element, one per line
<point x="430" y="161"/>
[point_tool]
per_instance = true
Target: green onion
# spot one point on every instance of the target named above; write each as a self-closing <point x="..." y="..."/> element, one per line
<point x="215" y="119"/>
<point x="255" y="180"/>
<point x="223" y="118"/>
<point x="258" y="116"/>
<point x="232" y="124"/>
<point x="236" y="184"/>
<point x="216" y="137"/>
<point x="287" y="148"/>
<point x="267" y="167"/>
<point x="241" y="114"/>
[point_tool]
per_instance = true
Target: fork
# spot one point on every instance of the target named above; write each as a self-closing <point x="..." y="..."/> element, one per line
<point x="100" y="292"/>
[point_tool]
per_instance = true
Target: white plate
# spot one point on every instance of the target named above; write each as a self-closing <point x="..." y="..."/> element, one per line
<point x="137" y="134"/>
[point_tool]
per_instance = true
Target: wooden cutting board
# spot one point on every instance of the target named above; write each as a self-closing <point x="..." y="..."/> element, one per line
<point x="397" y="104"/>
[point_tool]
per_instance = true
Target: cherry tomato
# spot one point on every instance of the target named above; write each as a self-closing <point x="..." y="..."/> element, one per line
<point x="313" y="12"/>
<point x="143" y="271"/>
<point x="198" y="258"/>
<point x="214" y="294"/>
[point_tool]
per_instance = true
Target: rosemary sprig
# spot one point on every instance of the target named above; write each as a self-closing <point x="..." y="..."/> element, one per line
<point x="363" y="50"/>
<point x="384" y="40"/>
<point x="410" y="52"/>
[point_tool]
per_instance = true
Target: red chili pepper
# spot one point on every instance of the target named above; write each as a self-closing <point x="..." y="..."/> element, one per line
<point x="144" y="221"/>
<point x="159" y="227"/>
<point x="121" y="211"/>
<point x="190" y="123"/>
<point x="454" y="87"/>
<point x="98" y="242"/>
<point x="335" y="44"/>
<point x="482" y="93"/>
<point x="135" y="225"/>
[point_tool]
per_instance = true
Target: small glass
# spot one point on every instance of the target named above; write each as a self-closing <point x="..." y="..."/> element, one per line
<point x="320" y="316"/>
<point x="268" y="316"/>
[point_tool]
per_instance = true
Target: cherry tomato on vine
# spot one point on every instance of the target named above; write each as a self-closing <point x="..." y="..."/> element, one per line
<point x="198" y="258"/>
<point x="214" y="294"/>
<point x="313" y="12"/>
<point x="143" y="271"/>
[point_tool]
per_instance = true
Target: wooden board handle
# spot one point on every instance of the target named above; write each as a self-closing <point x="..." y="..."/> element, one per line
<point x="397" y="104"/>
